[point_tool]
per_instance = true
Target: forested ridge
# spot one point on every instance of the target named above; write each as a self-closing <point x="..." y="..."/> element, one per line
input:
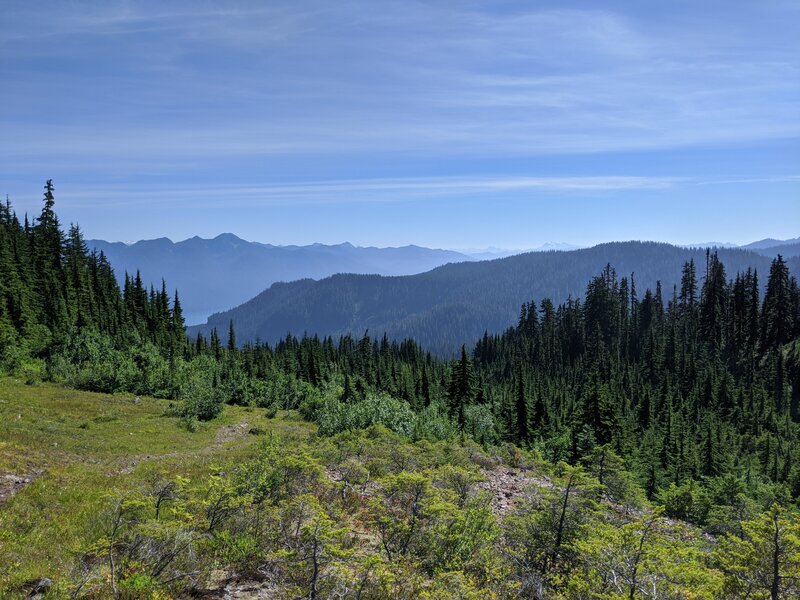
<point x="454" y="304"/>
<point x="657" y="432"/>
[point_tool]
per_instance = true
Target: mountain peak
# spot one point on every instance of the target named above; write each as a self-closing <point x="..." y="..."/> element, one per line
<point x="162" y="241"/>
<point x="229" y="237"/>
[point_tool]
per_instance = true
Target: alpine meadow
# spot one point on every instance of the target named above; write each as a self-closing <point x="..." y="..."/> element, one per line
<point x="439" y="323"/>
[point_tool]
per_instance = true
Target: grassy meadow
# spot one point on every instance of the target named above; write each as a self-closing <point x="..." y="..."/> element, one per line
<point x="81" y="449"/>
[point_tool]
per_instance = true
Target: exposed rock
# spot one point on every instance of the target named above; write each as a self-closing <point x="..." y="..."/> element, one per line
<point x="249" y="590"/>
<point x="227" y="585"/>
<point x="10" y="484"/>
<point x="507" y="486"/>
<point x="38" y="588"/>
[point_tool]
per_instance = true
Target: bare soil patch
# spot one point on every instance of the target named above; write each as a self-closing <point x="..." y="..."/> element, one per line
<point x="228" y="433"/>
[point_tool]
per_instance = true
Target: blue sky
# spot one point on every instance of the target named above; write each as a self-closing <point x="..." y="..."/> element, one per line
<point x="448" y="124"/>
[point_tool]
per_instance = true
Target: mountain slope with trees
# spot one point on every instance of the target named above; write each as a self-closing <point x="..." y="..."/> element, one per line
<point x="785" y="250"/>
<point x="455" y="304"/>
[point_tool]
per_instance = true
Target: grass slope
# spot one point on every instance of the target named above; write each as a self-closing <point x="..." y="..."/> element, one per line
<point x="79" y="448"/>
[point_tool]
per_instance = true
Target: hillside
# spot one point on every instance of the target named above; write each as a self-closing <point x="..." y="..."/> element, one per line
<point x="146" y="509"/>
<point x="454" y="304"/>
<point x="786" y="250"/>
<point x="220" y="273"/>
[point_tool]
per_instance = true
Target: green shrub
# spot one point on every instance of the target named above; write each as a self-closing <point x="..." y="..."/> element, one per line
<point x="432" y="423"/>
<point x="376" y="409"/>
<point x="200" y="401"/>
<point x="239" y="391"/>
<point x="688" y="501"/>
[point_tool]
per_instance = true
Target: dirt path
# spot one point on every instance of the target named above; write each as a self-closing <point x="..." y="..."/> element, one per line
<point x="225" y="434"/>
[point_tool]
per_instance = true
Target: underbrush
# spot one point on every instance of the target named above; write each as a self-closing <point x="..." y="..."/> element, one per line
<point x="143" y="508"/>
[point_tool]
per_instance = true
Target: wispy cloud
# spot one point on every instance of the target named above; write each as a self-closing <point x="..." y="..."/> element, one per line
<point x="377" y="190"/>
<point x="776" y="179"/>
<point x="349" y="191"/>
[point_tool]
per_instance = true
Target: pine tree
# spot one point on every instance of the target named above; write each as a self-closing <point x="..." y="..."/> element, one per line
<point x="177" y="322"/>
<point x="232" y="348"/>
<point x="688" y="296"/>
<point x="47" y="245"/>
<point x="460" y="390"/>
<point x="81" y="302"/>
<point x="216" y="348"/>
<point x="521" y="405"/>
<point x="713" y="303"/>
<point x="777" y="323"/>
<point x="425" y="386"/>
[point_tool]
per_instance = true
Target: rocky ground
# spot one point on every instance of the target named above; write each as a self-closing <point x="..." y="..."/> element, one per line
<point x="11" y="483"/>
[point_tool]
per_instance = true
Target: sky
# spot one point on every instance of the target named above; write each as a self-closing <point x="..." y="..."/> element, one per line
<point x="449" y="124"/>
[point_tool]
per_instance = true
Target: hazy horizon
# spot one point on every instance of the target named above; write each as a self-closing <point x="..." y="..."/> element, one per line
<point x="545" y="245"/>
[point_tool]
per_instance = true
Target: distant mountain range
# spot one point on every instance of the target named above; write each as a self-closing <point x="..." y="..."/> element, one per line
<point x="217" y="274"/>
<point x="454" y="304"/>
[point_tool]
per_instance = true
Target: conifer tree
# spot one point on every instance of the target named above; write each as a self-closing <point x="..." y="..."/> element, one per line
<point x="47" y="245"/>
<point x="521" y="406"/>
<point x="177" y="322"/>
<point x="460" y="389"/>
<point x="777" y="323"/>
<point x="231" y="338"/>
